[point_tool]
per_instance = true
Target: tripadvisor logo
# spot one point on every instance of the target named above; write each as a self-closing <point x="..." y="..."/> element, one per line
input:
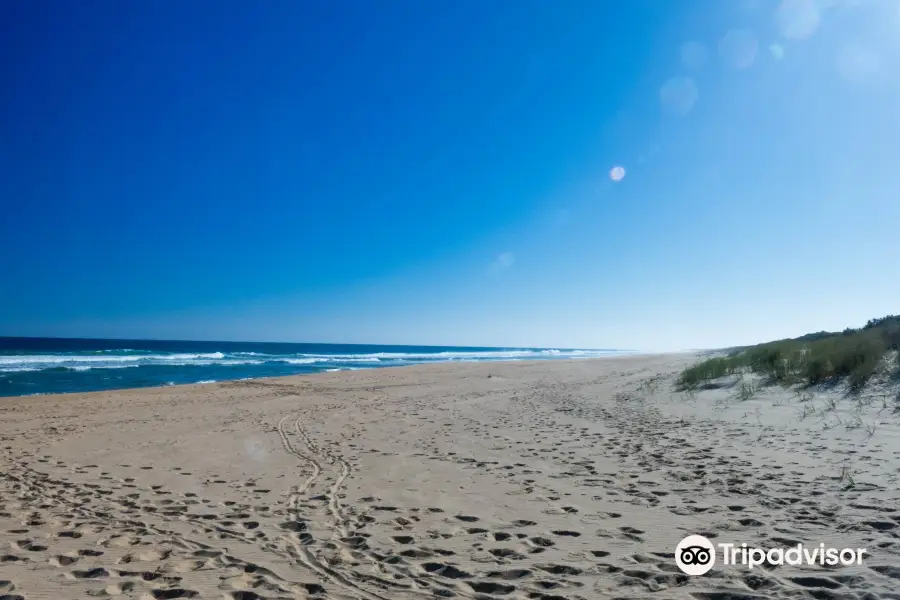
<point x="696" y="555"/>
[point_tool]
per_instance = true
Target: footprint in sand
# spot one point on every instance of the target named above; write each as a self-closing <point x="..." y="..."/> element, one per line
<point x="169" y="594"/>
<point x="491" y="587"/>
<point x="566" y="533"/>
<point x="403" y="539"/>
<point x="62" y="560"/>
<point x="524" y="523"/>
<point x="28" y="546"/>
<point x="448" y="571"/>
<point x="560" y="569"/>
<point x="120" y="589"/>
<point x="96" y="573"/>
<point x="506" y="553"/>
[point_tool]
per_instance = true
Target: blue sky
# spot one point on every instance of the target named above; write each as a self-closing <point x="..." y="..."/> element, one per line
<point x="440" y="172"/>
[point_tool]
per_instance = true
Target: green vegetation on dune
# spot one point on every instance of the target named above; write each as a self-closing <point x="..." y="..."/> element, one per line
<point x="852" y="355"/>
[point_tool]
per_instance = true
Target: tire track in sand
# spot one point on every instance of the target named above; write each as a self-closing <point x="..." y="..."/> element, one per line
<point x="301" y="552"/>
<point x="334" y="504"/>
<point x="298" y="491"/>
<point x="340" y="532"/>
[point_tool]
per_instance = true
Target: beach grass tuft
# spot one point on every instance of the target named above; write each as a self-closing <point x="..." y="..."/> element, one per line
<point x="852" y="355"/>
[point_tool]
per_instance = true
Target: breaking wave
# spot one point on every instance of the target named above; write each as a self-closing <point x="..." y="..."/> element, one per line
<point x="129" y="359"/>
<point x="54" y="366"/>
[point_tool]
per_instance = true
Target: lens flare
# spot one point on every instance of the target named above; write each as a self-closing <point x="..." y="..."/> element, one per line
<point x="739" y="48"/>
<point x="797" y="19"/>
<point x="678" y="95"/>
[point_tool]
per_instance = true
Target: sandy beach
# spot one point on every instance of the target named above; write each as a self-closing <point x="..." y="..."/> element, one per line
<point x="552" y="480"/>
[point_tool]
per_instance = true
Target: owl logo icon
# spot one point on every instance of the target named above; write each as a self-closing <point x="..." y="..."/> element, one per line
<point x="695" y="555"/>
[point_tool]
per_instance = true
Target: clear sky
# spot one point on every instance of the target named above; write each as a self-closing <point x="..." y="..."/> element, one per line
<point x="442" y="172"/>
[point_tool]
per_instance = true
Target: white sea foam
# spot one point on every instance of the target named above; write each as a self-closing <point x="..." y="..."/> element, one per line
<point x="207" y="363"/>
<point x="458" y="355"/>
<point x="87" y="362"/>
<point x="88" y="368"/>
<point x="81" y="362"/>
<point x="16" y="369"/>
<point x="67" y="358"/>
<point x="326" y="358"/>
<point x="301" y="361"/>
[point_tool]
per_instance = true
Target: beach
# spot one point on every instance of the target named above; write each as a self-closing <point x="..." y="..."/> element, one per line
<point x="537" y="480"/>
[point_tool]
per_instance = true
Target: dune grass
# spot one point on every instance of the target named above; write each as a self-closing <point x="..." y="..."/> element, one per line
<point x="852" y="355"/>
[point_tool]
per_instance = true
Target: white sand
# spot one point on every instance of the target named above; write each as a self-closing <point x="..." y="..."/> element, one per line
<point x="522" y="480"/>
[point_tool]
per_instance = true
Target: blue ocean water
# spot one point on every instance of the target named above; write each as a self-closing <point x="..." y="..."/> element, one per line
<point x="31" y="366"/>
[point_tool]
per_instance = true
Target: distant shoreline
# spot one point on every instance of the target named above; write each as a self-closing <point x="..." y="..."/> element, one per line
<point x="331" y="375"/>
<point x="38" y="366"/>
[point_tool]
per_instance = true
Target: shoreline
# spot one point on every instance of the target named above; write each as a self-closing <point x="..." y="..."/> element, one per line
<point x="624" y="354"/>
<point x="565" y="479"/>
<point x="51" y="366"/>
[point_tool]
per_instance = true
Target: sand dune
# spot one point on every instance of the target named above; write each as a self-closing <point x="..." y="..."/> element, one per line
<point x="521" y="480"/>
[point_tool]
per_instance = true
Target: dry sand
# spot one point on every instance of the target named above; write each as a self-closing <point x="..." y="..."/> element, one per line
<point x="521" y="480"/>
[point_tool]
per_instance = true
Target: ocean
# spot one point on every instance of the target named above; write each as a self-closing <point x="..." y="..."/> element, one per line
<point x="31" y="366"/>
